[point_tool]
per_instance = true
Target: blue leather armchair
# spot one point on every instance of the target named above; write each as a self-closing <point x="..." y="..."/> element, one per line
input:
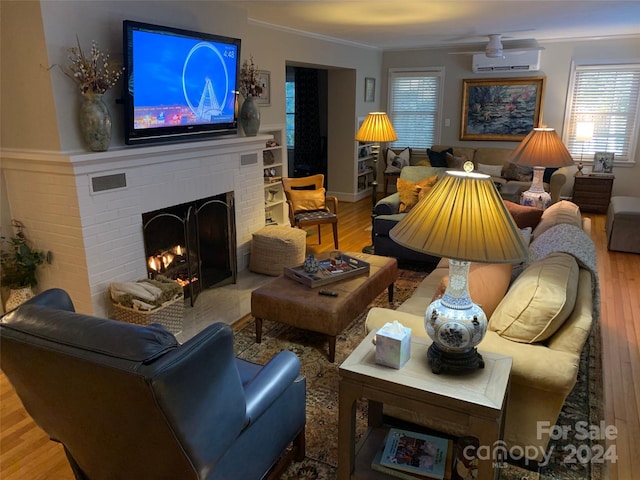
<point x="129" y="402"/>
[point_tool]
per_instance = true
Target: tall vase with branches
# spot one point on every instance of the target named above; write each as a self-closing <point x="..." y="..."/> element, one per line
<point x="250" y="89"/>
<point x="94" y="74"/>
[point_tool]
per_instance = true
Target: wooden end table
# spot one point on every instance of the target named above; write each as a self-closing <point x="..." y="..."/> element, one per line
<point x="472" y="404"/>
<point x="592" y="193"/>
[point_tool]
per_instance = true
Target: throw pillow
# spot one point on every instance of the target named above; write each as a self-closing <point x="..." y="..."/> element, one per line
<point x="438" y="159"/>
<point x="520" y="173"/>
<point x="524" y="216"/>
<point x="306" y="200"/>
<point x="488" y="283"/>
<point x="560" y="212"/>
<point x="539" y="301"/>
<point x="546" y="176"/>
<point x="455" y="162"/>
<point x="412" y="192"/>
<point x="397" y="159"/>
<point x="491" y="170"/>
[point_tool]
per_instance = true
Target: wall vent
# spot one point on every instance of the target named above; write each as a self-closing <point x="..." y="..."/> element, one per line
<point x="108" y="182"/>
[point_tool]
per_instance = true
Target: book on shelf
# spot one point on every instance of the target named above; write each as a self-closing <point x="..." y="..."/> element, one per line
<point x="412" y="455"/>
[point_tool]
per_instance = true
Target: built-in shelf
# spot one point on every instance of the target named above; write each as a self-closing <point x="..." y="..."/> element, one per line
<point x="275" y="205"/>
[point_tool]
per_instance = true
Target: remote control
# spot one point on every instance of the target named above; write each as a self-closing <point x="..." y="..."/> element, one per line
<point x="328" y="293"/>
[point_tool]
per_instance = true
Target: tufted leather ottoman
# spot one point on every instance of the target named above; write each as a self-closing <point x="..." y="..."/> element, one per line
<point x="623" y="224"/>
<point x="286" y="301"/>
<point x="275" y="247"/>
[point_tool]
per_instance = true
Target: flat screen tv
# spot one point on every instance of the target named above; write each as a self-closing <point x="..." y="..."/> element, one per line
<point x="179" y="85"/>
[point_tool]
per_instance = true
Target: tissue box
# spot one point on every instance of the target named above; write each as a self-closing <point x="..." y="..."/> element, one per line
<point x="393" y="345"/>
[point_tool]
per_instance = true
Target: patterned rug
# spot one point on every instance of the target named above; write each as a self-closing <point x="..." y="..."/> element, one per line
<point x="584" y="403"/>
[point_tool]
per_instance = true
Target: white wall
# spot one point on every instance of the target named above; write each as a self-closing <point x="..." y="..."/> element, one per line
<point x="39" y="115"/>
<point x="555" y="65"/>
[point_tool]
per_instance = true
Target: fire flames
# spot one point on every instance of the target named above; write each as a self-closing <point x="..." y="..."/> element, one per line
<point x="164" y="263"/>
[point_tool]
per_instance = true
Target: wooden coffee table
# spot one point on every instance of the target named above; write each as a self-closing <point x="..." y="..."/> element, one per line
<point x="287" y="301"/>
<point x="472" y="404"/>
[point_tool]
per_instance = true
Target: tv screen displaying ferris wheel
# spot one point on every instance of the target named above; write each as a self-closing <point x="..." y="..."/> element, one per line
<point x="179" y="84"/>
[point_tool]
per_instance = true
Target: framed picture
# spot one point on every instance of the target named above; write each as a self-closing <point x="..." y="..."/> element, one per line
<point x="504" y="109"/>
<point x="603" y="162"/>
<point x="264" y="78"/>
<point x="369" y="89"/>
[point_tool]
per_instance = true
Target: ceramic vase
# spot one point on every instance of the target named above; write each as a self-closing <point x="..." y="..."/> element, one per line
<point x="311" y="264"/>
<point x="95" y="122"/>
<point x="17" y="296"/>
<point x="250" y="116"/>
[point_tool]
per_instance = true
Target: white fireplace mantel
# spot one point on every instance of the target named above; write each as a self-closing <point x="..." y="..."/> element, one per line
<point x="96" y="236"/>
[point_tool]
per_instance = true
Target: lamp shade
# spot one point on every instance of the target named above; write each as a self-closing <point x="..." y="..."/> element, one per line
<point x="584" y="131"/>
<point x="463" y="218"/>
<point x="376" y="128"/>
<point x="542" y="148"/>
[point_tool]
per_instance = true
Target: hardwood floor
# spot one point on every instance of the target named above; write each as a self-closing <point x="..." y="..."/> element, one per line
<point x="27" y="453"/>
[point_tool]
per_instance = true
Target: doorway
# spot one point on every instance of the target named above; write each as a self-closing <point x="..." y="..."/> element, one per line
<point x="307" y="121"/>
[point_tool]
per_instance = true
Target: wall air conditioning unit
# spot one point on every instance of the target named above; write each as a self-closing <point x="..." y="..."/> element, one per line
<point x="526" y="61"/>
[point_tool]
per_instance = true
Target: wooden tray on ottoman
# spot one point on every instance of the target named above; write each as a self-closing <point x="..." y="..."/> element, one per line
<point x="328" y="273"/>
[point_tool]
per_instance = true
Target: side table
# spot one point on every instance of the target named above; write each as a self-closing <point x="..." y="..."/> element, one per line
<point x="462" y="405"/>
<point x="389" y="176"/>
<point x="592" y="193"/>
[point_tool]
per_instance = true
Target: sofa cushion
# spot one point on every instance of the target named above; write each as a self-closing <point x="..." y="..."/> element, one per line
<point x="539" y="301"/>
<point x="524" y="215"/>
<point x="492" y="170"/>
<point x="412" y="192"/>
<point x="520" y="173"/>
<point x="488" y="283"/>
<point x="456" y="162"/>
<point x="307" y="200"/>
<point x="493" y="156"/>
<point x="438" y="159"/>
<point x="559" y="212"/>
<point x="397" y="159"/>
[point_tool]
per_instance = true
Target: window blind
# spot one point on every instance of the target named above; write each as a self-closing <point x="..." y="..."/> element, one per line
<point x="415" y="103"/>
<point x="606" y="96"/>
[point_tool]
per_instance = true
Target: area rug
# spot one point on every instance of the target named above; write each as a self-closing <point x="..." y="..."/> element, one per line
<point x="584" y="403"/>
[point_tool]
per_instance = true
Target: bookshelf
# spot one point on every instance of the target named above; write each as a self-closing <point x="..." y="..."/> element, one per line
<point x="274" y="163"/>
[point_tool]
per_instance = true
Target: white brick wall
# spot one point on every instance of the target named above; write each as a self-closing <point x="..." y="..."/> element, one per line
<point x="96" y="238"/>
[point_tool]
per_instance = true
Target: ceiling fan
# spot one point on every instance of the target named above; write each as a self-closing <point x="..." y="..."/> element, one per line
<point x="495" y="49"/>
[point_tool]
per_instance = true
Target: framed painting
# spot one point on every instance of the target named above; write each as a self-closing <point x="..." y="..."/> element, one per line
<point x="369" y="89"/>
<point x="503" y="109"/>
<point x="264" y="79"/>
<point x="603" y="162"/>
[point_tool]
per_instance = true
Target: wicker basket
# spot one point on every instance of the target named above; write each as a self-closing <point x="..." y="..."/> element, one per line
<point x="170" y="315"/>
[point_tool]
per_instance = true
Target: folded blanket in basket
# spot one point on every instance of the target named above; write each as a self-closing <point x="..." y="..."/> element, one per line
<point x="145" y="294"/>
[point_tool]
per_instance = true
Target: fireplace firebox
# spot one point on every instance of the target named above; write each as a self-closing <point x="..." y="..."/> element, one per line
<point x="193" y="243"/>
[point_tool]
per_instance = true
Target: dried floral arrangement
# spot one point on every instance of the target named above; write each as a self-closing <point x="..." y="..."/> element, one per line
<point x="96" y="73"/>
<point x="249" y="85"/>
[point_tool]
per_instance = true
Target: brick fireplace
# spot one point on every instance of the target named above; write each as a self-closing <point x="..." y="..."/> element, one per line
<point x="86" y="207"/>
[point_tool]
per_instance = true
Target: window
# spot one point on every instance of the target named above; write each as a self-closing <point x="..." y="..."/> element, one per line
<point x="415" y="103"/>
<point x="290" y="98"/>
<point x="606" y="99"/>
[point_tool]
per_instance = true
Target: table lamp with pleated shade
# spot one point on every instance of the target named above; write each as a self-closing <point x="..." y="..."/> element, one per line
<point x="464" y="219"/>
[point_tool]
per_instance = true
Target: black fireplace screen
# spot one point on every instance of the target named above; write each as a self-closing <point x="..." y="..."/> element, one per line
<point x="193" y="243"/>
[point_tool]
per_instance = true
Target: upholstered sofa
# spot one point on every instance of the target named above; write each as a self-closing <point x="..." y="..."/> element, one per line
<point x="541" y="314"/>
<point x="413" y="165"/>
<point x="485" y="160"/>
